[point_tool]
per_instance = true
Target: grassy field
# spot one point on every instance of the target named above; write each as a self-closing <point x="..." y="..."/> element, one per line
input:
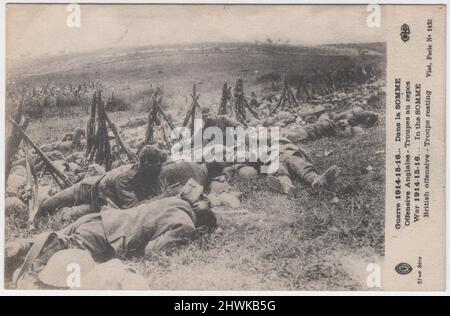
<point x="304" y="241"/>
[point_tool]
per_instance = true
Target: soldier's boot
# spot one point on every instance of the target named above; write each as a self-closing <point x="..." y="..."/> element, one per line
<point x="327" y="178"/>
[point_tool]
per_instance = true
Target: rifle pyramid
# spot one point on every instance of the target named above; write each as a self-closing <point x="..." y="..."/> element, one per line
<point x="191" y="114"/>
<point x="287" y="96"/>
<point x="240" y="107"/>
<point x="226" y="102"/>
<point x="98" y="147"/>
<point x="154" y="118"/>
<point x="54" y="171"/>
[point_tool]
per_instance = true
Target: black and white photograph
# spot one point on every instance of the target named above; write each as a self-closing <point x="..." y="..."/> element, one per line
<point x="196" y="147"/>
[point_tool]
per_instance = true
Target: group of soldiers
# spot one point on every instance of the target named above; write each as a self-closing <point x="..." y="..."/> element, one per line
<point x="324" y="82"/>
<point x="51" y="95"/>
<point x="154" y="205"/>
<point x="319" y="85"/>
<point x="49" y="90"/>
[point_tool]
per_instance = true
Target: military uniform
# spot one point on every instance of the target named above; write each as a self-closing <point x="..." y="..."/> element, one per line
<point x="135" y="232"/>
<point x="331" y="124"/>
<point x="355" y="117"/>
<point x="222" y="122"/>
<point x="124" y="186"/>
<point x="181" y="171"/>
<point x="67" y="147"/>
<point x="322" y="128"/>
<point x="295" y="164"/>
<point x="117" y="185"/>
<point x="152" y="228"/>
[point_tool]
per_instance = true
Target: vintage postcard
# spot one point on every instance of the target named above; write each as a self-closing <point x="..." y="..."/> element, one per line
<point x="224" y="147"/>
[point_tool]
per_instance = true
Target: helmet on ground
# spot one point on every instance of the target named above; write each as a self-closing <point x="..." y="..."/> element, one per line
<point x="60" y="266"/>
<point x="248" y="172"/>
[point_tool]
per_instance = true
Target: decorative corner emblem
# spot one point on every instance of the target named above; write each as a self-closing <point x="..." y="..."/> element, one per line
<point x="404" y="32"/>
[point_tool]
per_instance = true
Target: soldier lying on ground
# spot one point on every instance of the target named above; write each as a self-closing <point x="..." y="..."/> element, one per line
<point x="220" y="121"/>
<point x="130" y="184"/>
<point x="295" y="164"/>
<point x="332" y="124"/>
<point x="124" y="186"/>
<point x="148" y="229"/>
<point x="69" y="144"/>
<point x="37" y="159"/>
<point x="293" y="161"/>
<point x="355" y="117"/>
<point x="329" y="124"/>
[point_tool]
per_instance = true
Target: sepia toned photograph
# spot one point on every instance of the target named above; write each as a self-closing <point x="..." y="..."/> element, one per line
<point x="203" y="147"/>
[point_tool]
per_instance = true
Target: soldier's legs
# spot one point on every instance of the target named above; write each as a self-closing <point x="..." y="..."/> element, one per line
<point x="67" y="197"/>
<point x="77" y="194"/>
<point x="306" y="172"/>
<point x="280" y="181"/>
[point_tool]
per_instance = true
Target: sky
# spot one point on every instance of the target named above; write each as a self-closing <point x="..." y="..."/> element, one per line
<point x="38" y="29"/>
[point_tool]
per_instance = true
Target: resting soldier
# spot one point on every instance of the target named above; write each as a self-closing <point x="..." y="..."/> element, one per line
<point x="332" y="124"/>
<point x="221" y="121"/>
<point x="356" y="117"/>
<point x="295" y="164"/>
<point x="72" y="142"/>
<point x="129" y="185"/>
<point x="145" y="230"/>
<point x="124" y="186"/>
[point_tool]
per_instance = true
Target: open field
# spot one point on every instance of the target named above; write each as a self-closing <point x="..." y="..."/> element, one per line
<point x="131" y="73"/>
<point x="303" y="241"/>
